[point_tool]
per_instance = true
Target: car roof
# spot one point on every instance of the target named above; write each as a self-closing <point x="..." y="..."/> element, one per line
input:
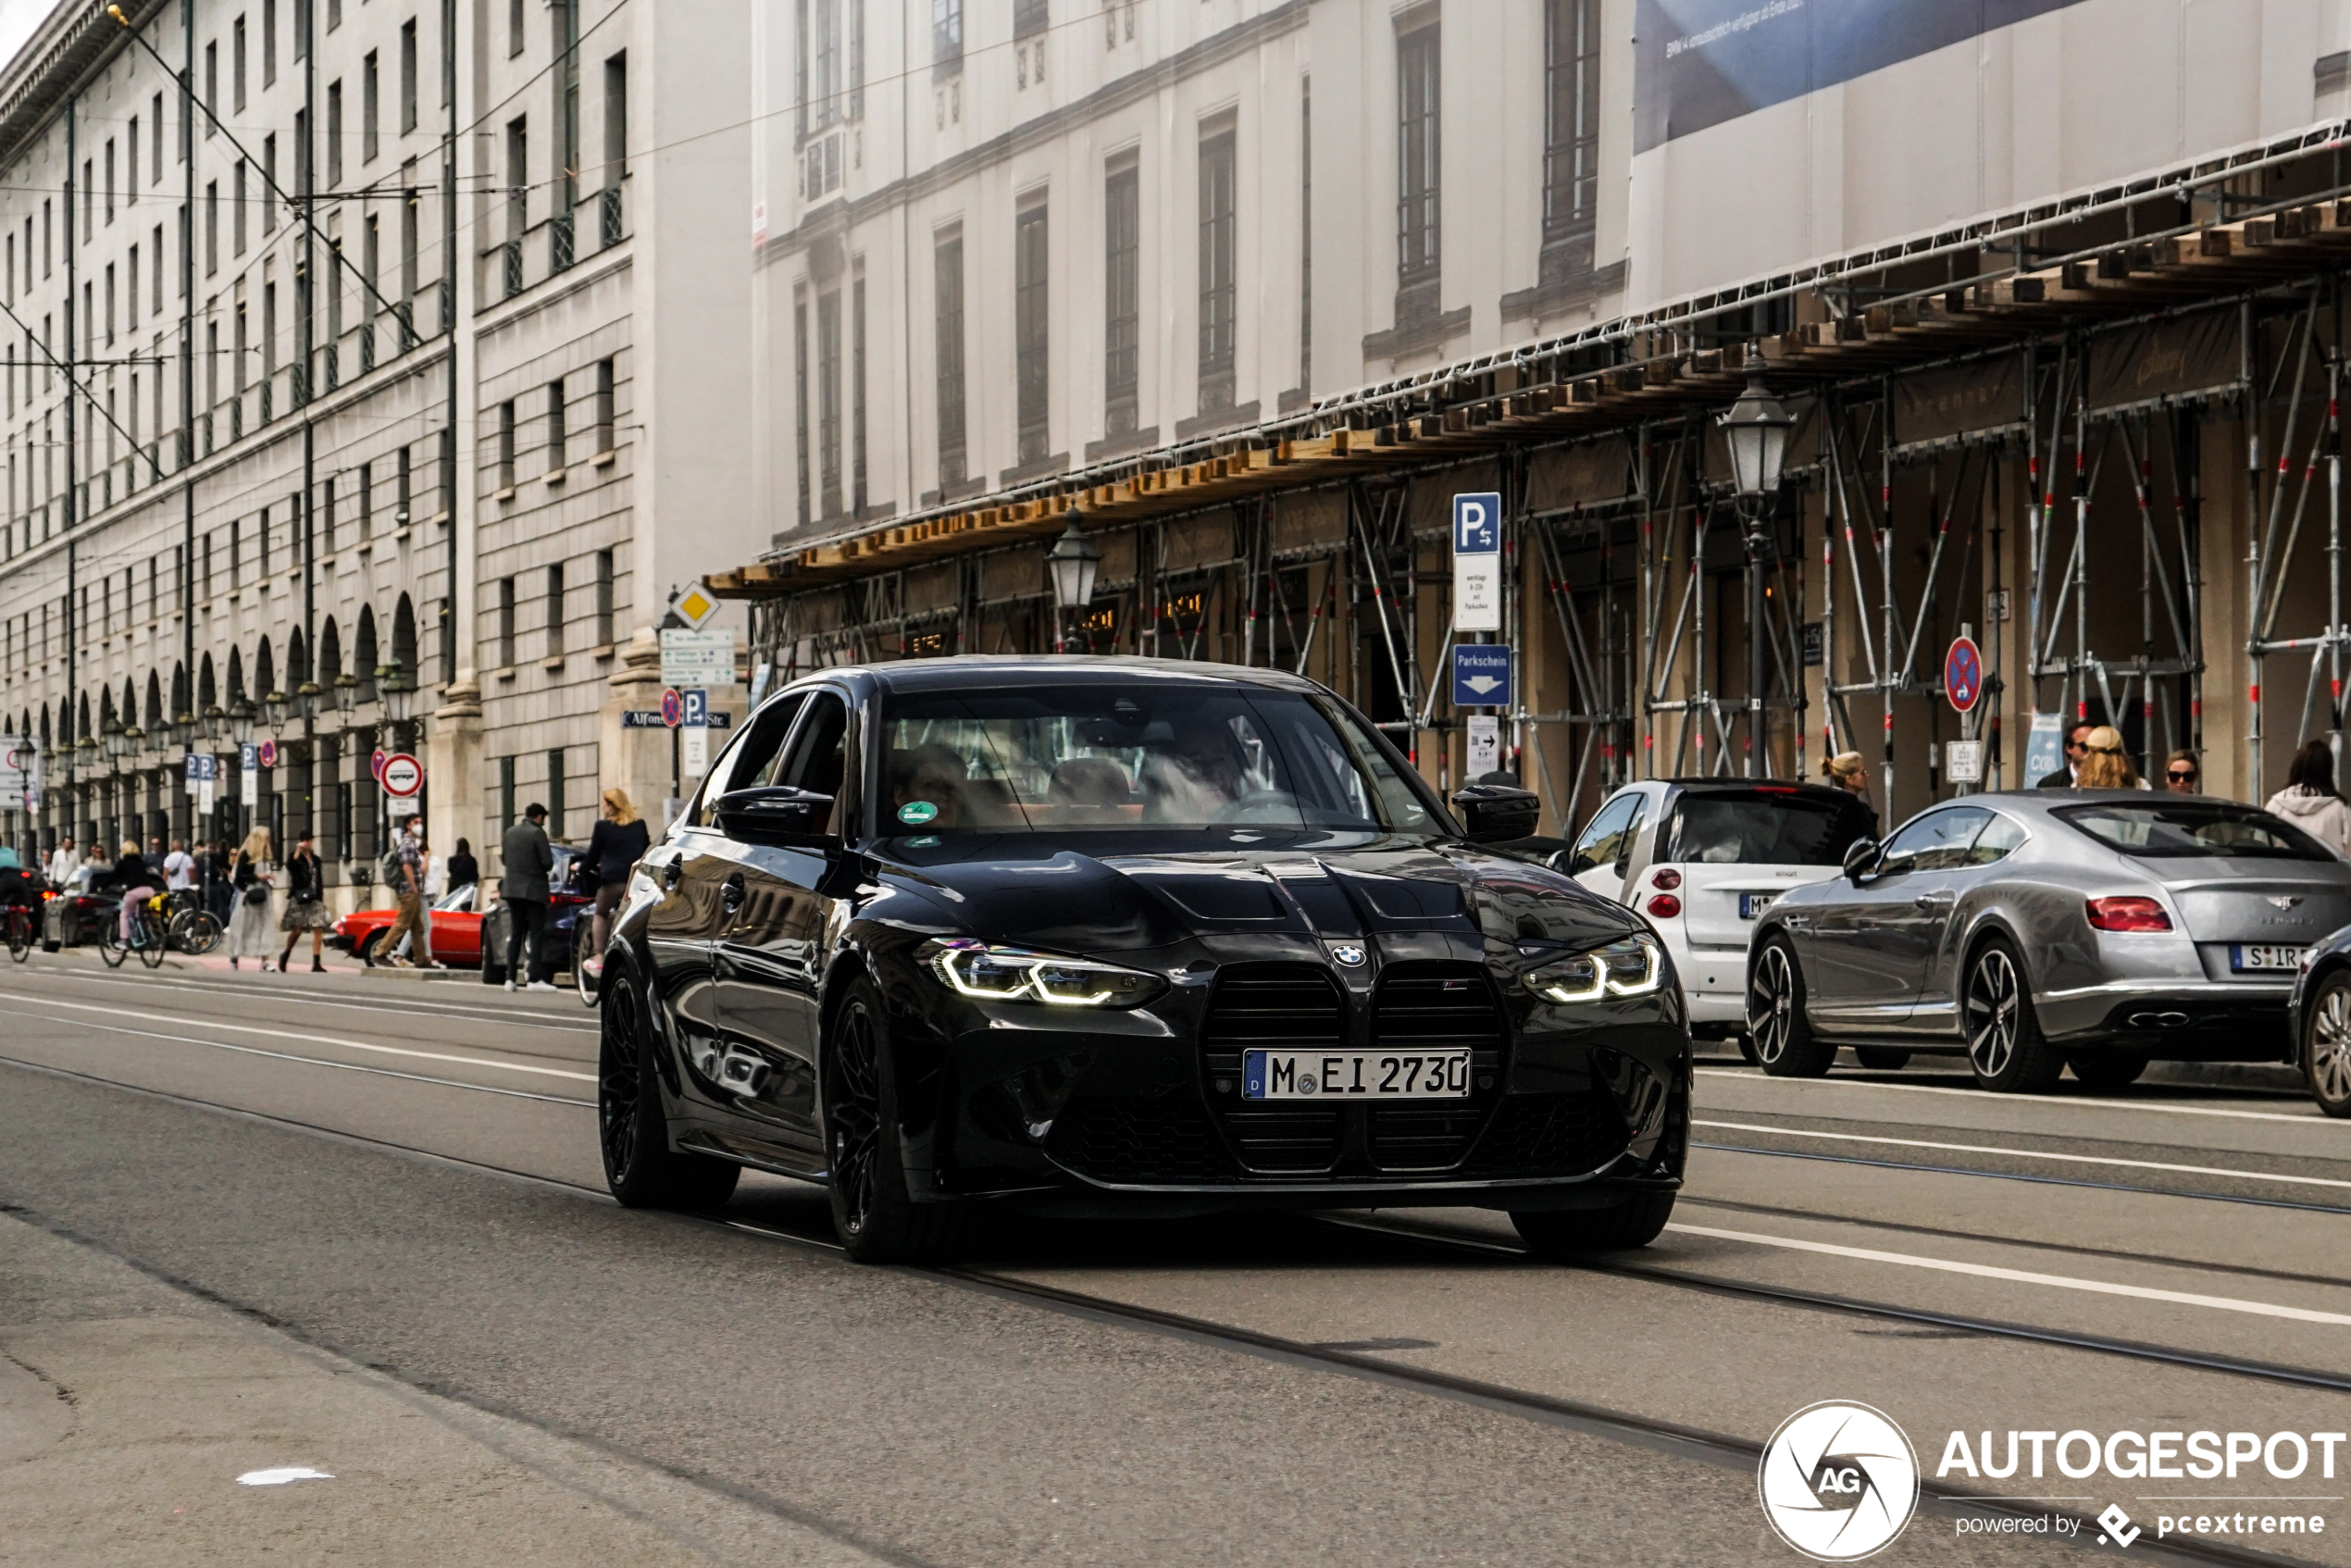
<point x="967" y="671"/>
<point x="1716" y="784"/>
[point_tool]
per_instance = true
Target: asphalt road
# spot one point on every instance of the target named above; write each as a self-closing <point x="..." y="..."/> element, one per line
<point x="356" y="1224"/>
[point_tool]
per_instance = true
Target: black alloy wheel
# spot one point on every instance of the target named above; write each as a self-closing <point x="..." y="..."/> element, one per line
<point x="1558" y="1235"/>
<point x="641" y="1168"/>
<point x="1785" y="1043"/>
<point x="2004" y="1042"/>
<point x="876" y="1217"/>
<point x="2326" y="1045"/>
<point x="2107" y="1069"/>
<point x="1883" y="1058"/>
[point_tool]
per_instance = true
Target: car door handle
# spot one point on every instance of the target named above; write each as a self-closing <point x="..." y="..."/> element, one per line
<point x="1933" y="901"/>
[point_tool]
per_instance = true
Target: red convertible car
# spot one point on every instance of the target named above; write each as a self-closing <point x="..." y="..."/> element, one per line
<point x="457" y="930"/>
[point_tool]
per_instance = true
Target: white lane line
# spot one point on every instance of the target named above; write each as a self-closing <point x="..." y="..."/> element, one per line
<point x="316" y="1061"/>
<point x="314" y="999"/>
<point x="2021" y="1276"/>
<point x="2312" y="1120"/>
<point x="308" y="1040"/>
<point x="2027" y="1154"/>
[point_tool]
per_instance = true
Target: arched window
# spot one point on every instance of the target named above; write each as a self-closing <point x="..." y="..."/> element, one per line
<point x="265" y="673"/>
<point x="404" y="638"/>
<point x="363" y="659"/>
<point x="208" y="693"/>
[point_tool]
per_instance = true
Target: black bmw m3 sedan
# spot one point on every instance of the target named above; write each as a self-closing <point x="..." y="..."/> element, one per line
<point x="1101" y="937"/>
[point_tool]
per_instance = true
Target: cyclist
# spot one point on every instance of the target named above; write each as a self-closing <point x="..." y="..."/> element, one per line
<point x="138" y="881"/>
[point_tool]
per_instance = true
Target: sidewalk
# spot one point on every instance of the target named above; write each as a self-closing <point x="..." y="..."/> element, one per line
<point x="128" y="1410"/>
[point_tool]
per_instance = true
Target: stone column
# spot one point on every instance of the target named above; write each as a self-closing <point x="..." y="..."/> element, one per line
<point x="637" y="760"/>
<point x="453" y="770"/>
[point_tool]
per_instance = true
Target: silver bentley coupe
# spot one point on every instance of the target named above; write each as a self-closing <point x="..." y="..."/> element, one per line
<point x="2033" y="930"/>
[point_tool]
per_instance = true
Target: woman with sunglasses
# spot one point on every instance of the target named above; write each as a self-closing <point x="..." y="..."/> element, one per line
<point x="2180" y="774"/>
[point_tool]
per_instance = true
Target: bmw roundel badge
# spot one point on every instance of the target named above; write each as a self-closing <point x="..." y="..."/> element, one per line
<point x="1348" y="954"/>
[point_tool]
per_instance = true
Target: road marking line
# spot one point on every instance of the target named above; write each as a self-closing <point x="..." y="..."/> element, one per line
<point x="2028" y="1154"/>
<point x="311" y="1040"/>
<point x="319" y="1062"/>
<point x="2022" y="1277"/>
<point x="2312" y="1120"/>
<point x="483" y="1011"/>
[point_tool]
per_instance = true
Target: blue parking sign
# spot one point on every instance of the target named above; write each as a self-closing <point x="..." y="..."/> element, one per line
<point x="1481" y="675"/>
<point x="1477" y="523"/>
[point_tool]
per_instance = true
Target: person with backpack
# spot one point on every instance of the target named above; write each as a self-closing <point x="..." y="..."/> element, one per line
<point x="402" y="870"/>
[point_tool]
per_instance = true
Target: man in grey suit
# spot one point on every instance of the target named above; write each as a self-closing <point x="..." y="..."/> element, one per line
<point x="528" y="858"/>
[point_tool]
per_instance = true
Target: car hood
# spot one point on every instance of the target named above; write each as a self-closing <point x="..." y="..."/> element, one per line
<point x="1071" y="900"/>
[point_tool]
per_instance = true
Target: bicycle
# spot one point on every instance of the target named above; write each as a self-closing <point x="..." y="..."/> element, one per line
<point x="23" y="932"/>
<point x="147" y="937"/>
<point x="190" y="928"/>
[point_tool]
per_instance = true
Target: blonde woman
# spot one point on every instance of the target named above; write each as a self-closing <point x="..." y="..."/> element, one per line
<point x="2105" y="764"/>
<point x="614" y="846"/>
<point x="251" y="934"/>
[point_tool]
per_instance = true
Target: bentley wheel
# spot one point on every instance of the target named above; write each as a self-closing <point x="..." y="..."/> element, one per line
<point x="2004" y="1043"/>
<point x="641" y="1168"/>
<point x="1561" y="1234"/>
<point x="1883" y="1058"/>
<point x="2326" y="1046"/>
<point x="1785" y="1043"/>
<point x="2107" y="1069"/>
<point x="876" y="1218"/>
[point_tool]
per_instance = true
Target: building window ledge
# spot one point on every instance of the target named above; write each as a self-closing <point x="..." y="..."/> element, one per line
<point x="553" y="661"/>
<point x="554" y="476"/>
<point x="507" y="493"/>
<point x="603" y="459"/>
<point x="503" y="673"/>
<point x="1414" y="335"/>
<point x="1034" y="468"/>
<point x="1216" y="421"/>
<point x="1120" y="445"/>
<point x="1554" y="296"/>
<point x="601" y="651"/>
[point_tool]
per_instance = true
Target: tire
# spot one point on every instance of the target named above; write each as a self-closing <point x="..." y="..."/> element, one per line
<point x="641" y="1169"/>
<point x="2107" y="1069"/>
<point x="371" y="951"/>
<point x="1747" y="1048"/>
<point x="19" y="936"/>
<point x="195" y="932"/>
<point x="110" y="946"/>
<point x="874" y="1216"/>
<point x="153" y="945"/>
<point x="1785" y="1043"/>
<point x="2326" y="1045"/>
<point x="1558" y="1235"/>
<point x="2005" y="1048"/>
<point x="1884" y="1058"/>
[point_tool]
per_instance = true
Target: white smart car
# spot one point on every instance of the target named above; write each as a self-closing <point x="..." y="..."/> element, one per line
<point x="1701" y="858"/>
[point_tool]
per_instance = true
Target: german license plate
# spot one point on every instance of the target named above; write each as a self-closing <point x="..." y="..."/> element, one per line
<point x="2247" y="959"/>
<point x="1753" y="904"/>
<point x="1373" y="1075"/>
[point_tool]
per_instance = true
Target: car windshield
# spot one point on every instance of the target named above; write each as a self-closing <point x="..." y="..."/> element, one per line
<point x="2188" y="830"/>
<point x="1136" y="756"/>
<point x="1766" y="827"/>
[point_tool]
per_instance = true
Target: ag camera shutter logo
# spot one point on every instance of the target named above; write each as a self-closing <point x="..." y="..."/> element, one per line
<point x="1838" y="1481"/>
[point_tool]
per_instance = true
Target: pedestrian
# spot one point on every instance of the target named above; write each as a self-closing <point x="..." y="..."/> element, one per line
<point x="136" y="878"/>
<point x="2076" y="746"/>
<point x="404" y="874"/>
<point x="305" y="905"/>
<point x="2105" y="764"/>
<point x="614" y="846"/>
<point x="2180" y="773"/>
<point x="178" y="868"/>
<point x="465" y="871"/>
<point x="218" y="896"/>
<point x="2309" y="802"/>
<point x="1848" y="772"/>
<point x="250" y="872"/>
<point x="62" y="862"/>
<point x="529" y="858"/>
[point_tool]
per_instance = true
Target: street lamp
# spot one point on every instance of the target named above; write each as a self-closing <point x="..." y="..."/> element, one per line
<point x="278" y="705"/>
<point x="116" y="743"/>
<point x="1072" y="562"/>
<point x="183" y="727"/>
<point x="306" y="697"/>
<point x="241" y="722"/>
<point x="1755" y="427"/>
<point x="398" y="692"/>
<point x="346" y="692"/>
<point x="214" y="718"/>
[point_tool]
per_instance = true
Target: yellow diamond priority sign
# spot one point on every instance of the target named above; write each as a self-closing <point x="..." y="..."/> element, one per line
<point x="694" y="606"/>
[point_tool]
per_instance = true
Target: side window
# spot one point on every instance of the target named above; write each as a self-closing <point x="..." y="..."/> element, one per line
<point x="820" y="759"/>
<point x="748" y="761"/>
<point x="1937" y="841"/>
<point x="2000" y="836"/>
<point x="1608" y="834"/>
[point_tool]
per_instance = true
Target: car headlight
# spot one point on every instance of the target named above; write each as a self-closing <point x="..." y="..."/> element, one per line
<point x="1633" y="966"/>
<point x="1016" y="974"/>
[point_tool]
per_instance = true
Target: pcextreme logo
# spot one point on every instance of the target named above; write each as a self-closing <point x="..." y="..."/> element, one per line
<point x="1838" y="1481"/>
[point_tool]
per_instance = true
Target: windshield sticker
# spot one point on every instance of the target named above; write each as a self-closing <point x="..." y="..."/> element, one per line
<point x="915" y="813"/>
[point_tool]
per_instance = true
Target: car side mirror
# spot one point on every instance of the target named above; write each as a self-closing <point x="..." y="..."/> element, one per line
<point x="776" y="813"/>
<point x="1495" y="813"/>
<point x="1859" y="857"/>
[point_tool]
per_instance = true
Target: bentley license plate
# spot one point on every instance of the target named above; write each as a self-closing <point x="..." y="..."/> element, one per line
<point x="2248" y="958"/>
<point x="1753" y="904"/>
<point x="1374" y="1074"/>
